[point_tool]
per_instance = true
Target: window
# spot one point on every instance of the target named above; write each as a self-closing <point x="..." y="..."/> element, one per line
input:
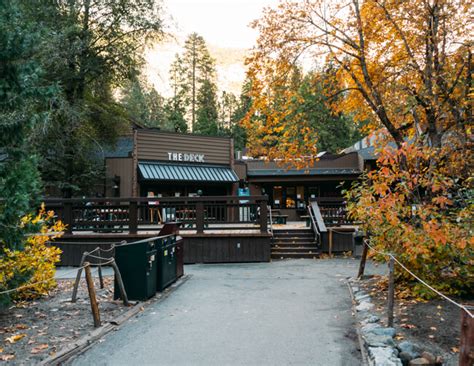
<point x="290" y="197"/>
<point x="278" y="196"/>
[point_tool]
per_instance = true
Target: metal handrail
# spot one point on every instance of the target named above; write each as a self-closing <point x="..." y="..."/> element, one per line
<point x="317" y="234"/>
<point x="269" y="209"/>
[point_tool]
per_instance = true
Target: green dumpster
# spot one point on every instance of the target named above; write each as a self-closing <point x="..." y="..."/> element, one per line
<point x="137" y="265"/>
<point x="167" y="262"/>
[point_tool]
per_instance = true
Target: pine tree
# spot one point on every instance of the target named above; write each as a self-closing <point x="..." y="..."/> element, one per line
<point x="206" y="121"/>
<point x="189" y="73"/>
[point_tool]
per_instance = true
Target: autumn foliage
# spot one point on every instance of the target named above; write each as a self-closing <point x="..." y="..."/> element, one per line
<point x="422" y="214"/>
<point x="403" y="69"/>
<point x="33" y="267"/>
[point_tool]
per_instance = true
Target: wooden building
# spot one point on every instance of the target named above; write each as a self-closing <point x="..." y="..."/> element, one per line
<point x="155" y="163"/>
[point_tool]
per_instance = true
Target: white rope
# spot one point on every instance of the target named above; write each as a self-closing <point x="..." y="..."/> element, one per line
<point x="420" y="280"/>
<point x="36" y="283"/>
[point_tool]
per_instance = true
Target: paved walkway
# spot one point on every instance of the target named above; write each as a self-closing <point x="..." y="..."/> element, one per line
<point x="294" y="312"/>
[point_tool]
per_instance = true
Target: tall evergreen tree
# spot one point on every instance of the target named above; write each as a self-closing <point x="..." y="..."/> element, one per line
<point x="197" y="66"/>
<point x="95" y="47"/>
<point x="25" y="96"/>
<point x="144" y="104"/>
<point x="206" y="122"/>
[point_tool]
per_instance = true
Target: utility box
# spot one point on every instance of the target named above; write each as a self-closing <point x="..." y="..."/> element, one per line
<point x="358" y="243"/>
<point x="167" y="262"/>
<point x="137" y="263"/>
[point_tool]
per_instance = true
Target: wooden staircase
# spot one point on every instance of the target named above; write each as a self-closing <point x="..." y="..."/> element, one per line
<point x="294" y="244"/>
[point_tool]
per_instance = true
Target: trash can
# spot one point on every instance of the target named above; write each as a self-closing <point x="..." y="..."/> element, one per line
<point x="137" y="265"/>
<point x="357" y="243"/>
<point x="167" y="262"/>
<point x="179" y="256"/>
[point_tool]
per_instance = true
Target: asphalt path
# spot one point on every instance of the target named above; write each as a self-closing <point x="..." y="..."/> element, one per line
<point x="292" y="312"/>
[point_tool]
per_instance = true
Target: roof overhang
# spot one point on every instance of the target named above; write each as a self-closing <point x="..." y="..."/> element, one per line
<point x="155" y="171"/>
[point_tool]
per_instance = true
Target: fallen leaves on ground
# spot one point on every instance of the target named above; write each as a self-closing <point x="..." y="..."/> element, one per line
<point x="39" y="348"/>
<point x="15" y="338"/>
<point x="408" y="326"/>
<point x="7" y="357"/>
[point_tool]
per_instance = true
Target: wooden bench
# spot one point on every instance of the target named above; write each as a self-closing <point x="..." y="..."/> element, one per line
<point x="279" y="219"/>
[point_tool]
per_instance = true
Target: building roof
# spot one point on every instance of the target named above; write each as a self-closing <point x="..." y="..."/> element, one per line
<point x="328" y="164"/>
<point x="188" y="173"/>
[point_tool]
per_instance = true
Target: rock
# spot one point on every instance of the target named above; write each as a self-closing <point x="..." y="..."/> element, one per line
<point x="384" y="331"/>
<point x="364" y="306"/>
<point x="376" y="340"/>
<point x="405" y="357"/>
<point x="377" y="329"/>
<point x="411" y="348"/>
<point x="371" y="319"/>
<point x="368" y="328"/>
<point x="439" y="361"/>
<point x="385" y="356"/>
<point x="419" y="361"/>
<point x="429" y="357"/>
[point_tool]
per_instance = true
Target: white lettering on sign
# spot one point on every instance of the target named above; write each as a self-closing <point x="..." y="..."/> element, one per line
<point x="192" y="157"/>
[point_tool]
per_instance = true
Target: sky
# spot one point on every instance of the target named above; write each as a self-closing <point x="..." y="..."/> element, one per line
<point x="224" y="24"/>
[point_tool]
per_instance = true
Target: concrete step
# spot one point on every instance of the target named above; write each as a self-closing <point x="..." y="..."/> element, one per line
<point x="293" y="240"/>
<point x="292" y="232"/>
<point x="280" y="255"/>
<point x="295" y="250"/>
<point x="296" y="245"/>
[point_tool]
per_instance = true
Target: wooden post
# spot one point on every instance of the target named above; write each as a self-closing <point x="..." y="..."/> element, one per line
<point x="263" y="216"/>
<point x="68" y="218"/>
<point x="93" y="300"/>
<point x="330" y="241"/>
<point x="78" y="277"/>
<point x="133" y="217"/>
<point x="466" y="349"/>
<point x="391" y="291"/>
<point x="121" y="287"/>
<point x="365" y="250"/>
<point x="200" y="217"/>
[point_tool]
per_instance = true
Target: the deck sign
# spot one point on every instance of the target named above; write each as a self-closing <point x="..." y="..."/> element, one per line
<point x="187" y="157"/>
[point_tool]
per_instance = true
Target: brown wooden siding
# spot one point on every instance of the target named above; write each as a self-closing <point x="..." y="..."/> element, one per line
<point x="240" y="168"/>
<point x="155" y="145"/>
<point x="226" y="249"/>
<point x="123" y="167"/>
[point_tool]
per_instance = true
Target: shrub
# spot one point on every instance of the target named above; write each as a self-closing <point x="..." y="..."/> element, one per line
<point x="35" y="263"/>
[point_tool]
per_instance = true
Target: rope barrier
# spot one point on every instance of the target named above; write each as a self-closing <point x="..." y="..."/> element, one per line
<point x="36" y="283"/>
<point x="108" y="261"/>
<point x="366" y="241"/>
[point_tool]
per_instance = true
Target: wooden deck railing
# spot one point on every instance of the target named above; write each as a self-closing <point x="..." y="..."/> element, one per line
<point x="143" y="214"/>
<point x="333" y="211"/>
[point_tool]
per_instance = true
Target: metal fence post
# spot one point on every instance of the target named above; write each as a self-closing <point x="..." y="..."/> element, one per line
<point x="391" y="290"/>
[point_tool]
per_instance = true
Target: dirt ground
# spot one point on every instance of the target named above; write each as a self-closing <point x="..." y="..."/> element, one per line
<point x="32" y="331"/>
<point x="435" y="325"/>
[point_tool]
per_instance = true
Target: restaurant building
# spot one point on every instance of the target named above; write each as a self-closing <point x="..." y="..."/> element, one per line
<point x="151" y="162"/>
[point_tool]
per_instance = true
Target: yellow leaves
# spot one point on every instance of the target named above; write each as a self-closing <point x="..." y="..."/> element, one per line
<point x="15" y="338"/>
<point x="36" y="262"/>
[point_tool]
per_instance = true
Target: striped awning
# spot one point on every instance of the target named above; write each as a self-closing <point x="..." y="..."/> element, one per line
<point x="186" y="173"/>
